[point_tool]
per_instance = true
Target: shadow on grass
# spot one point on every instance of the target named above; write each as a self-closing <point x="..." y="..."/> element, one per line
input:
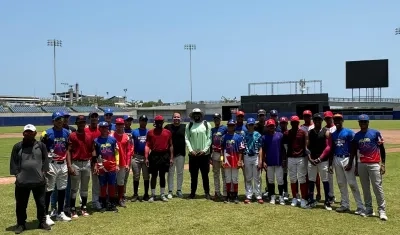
<point x="31" y="225"/>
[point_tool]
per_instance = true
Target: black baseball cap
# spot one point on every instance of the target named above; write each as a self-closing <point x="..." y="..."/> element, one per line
<point x="92" y="113"/>
<point x="261" y="112"/>
<point x="317" y="116"/>
<point x="217" y="116"/>
<point x="143" y="118"/>
<point x="80" y="118"/>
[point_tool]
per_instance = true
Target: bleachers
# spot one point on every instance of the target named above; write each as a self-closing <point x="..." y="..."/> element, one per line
<point x="52" y="109"/>
<point x="25" y="109"/>
<point x="85" y="109"/>
<point x="114" y="109"/>
<point x="3" y="110"/>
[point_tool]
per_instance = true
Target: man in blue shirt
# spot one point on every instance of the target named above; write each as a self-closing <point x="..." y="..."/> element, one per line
<point x="341" y="145"/>
<point x="139" y="137"/>
<point x="108" y="114"/>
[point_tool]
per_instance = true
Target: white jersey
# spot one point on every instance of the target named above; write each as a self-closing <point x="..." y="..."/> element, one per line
<point x="307" y="128"/>
<point x="332" y="129"/>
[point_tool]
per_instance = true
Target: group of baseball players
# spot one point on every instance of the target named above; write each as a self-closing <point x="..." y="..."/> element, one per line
<point x="106" y="152"/>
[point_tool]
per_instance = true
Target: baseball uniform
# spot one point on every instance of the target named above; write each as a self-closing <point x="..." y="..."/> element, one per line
<point x="138" y="164"/>
<point x="216" y="135"/>
<point x="94" y="132"/>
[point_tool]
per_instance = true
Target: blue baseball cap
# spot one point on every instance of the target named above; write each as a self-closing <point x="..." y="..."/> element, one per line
<point x="57" y="115"/>
<point x="103" y="124"/>
<point x="273" y="112"/>
<point x="127" y="117"/>
<point x="363" y="117"/>
<point x="66" y="114"/>
<point x="231" y="122"/>
<point x="108" y="111"/>
<point x="251" y="121"/>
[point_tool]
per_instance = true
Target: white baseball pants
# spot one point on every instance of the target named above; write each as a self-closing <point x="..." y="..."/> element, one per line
<point x="345" y="178"/>
<point x="57" y="175"/>
<point x="179" y="163"/>
<point x="253" y="177"/>
<point x="297" y="167"/>
<point x="218" y="172"/>
<point x="331" y="187"/>
<point x="231" y="176"/>
<point x="322" y="168"/>
<point x="275" y="172"/>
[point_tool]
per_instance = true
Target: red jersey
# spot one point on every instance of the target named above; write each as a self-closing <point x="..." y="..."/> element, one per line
<point x="81" y="146"/>
<point x="94" y="132"/>
<point x="125" y="148"/>
<point x="296" y="143"/>
<point x="158" y="140"/>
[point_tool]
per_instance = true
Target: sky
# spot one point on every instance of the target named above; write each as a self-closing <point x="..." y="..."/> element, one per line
<point x="139" y="45"/>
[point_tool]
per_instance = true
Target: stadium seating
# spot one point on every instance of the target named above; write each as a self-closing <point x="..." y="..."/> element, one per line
<point x="52" y="109"/>
<point x="25" y="109"/>
<point x="85" y="109"/>
<point x="3" y="110"/>
<point x="114" y="109"/>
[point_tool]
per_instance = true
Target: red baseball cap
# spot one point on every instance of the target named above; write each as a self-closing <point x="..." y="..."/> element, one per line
<point x="283" y="119"/>
<point x="307" y="112"/>
<point x="270" y="122"/>
<point x="328" y="114"/>
<point x="294" y="118"/>
<point x="239" y="113"/>
<point x="119" y="121"/>
<point x="159" y="118"/>
<point x="338" y="115"/>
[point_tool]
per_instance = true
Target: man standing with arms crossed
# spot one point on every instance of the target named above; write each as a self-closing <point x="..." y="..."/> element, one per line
<point x="198" y="142"/>
<point x="368" y="148"/>
<point x="80" y="151"/>
<point x="342" y="139"/>
<point x="178" y="140"/>
<point x="328" y="117"/>
<point x="139" y="165"/>
<point x="216" y="134"/>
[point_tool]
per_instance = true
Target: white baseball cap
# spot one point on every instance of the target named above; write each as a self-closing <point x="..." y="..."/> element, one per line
<point x="29" y="127"/>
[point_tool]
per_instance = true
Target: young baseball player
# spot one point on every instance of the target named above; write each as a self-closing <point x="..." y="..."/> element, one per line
<point x="297" y="150"/>
<point x="139" y="165"/>
<point x="56" y="141"/>
<point x="128" y="131"/>
<point x="341" y="145"/>
<point x="108" y="114"/>
<point x="159" y="153"/>
<point x="216" y="134"/>
<point x="368" y="148"/>
<point x="241" y="129"/>
<point x="80" y="151"/>
<point x="125" y="149"/>
<point x="283" y="123"/>
<point x="274" y="157"/>
<point x="328" y="117"/>
<point x="232" y="147"/>
<point x="252" y="159"/>
<point x="319" y="144"/>
<point x="106" y="156"/>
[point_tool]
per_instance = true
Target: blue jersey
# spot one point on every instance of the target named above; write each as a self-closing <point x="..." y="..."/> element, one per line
<point x="216" y="135"/>
<point x="368" y="146"/>
<point x="139" y="137"/>
<point x="342" y="141"/>
<point x="107" y="148"/>
<point x="111" y="127"/>
<point x="252" y="142"/>
<point x="240" y="129"/>
<point x="56" y="142"/>
<point x="272" y="146"/>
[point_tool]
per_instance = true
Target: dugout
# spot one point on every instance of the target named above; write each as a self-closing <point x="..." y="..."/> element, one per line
<point x="286" y="105"/>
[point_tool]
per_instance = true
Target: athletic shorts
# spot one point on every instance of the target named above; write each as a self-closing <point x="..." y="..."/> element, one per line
<point x="108" y="178"/>
<point x="159" y="161"/>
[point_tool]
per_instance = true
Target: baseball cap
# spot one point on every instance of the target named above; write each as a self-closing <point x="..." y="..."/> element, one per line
<point x="29" y="127"/>
<point x="251" y="121"/>
<point x="196" y="110"/>
<point x="328" y="114"/>
<point x="127" y="117"/>
<point x="66" y="114"/>
<point x="231" y="122"/>
<point x="57" y="115"/>
<point x="217" y="115"/>
<point x="270" y="122"/>
<point x="159" y="118"/>
<point x="239" y="113"/>
<point x="363" y="117"/>
<point x="317" y="116"/>
<point x="108" y="111"/>
<point x="338" y="115"/>
<point x="283" y="119"/>
<point x="261" y="112"/>
<point x="80" y="118"/>
<point x="119" y="121"/>
<point x="294" y="118"/>
<point x="307" y="112"/>
<point x="143" y="118"/>
<point x="273" y="112"/>
<point x="103" y="124"/>
<point x="92" y="113"/>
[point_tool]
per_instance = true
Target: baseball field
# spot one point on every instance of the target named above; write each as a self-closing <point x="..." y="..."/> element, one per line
<point x="181" y="216"/>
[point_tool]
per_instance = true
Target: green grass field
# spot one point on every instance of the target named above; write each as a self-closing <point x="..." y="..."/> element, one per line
<point x="181" y="216"/>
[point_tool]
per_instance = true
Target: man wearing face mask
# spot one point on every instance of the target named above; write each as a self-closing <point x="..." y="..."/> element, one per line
<point x="198" y="142"/>
<point x="29" y="163"/>
<point x="178" y="140"/>
<point x="108" y="114"/>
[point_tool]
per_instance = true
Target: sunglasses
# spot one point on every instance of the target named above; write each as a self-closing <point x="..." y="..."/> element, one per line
<point x="108" y="115"/>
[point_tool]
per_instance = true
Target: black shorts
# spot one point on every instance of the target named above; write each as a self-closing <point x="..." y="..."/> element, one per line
<point x="159" y="161"/>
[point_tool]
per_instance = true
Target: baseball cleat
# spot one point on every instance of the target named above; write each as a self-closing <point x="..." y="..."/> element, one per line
<point x="49" y="221"/>
<point x="369" y="213"/>
<point x="318" y="197"/>
<point x="74" y="215"/>
<point x="236" y="200"/>
<point x="342" y="209"/>
<point x="170" y="195"/>
<point x="122" y="203"/>
<point x="332" y="199"/>
<point x="383" y="216"/>
<point x="226" y="199"/>
<point x="247" y="201"/>
<point x="272" y="201"/>
<point x="303" y="204"/>
<point x="328" y="206"/>
<point x="53" y="212"/>
<point x="145" y="197"/>
<point x="152" y="198"/>
<point x="260" y="201"/>
<point x="84" y="212"/>
<point x="298" y="198"/>
<point x="63" y="217"/>
<point x="164" y="198"/>
<point x="19" y="229"/>
<point x="44" y="226"/>
<point x="294" y="202"/>
<point x="179" y="194"/>
<point x="360" y="211"/>
<point x="207" y="196"/>
<point x="135" y="198"/>
<point x="281" y="200"/>
<point x="192" y="196"/>
<point x="285" y="196"/>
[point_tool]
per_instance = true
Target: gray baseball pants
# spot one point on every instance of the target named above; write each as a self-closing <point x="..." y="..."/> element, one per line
<point x="218" y="172"/>
<point x="370" y="174"/>
<point x="138" y="166"/>
<point x="95" y="190"/>
<point x="179" y="163"/>
<point x="80" y="181"/>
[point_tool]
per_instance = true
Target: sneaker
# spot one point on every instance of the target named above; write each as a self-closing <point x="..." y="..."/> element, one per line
<point x="265" y="195"/>
<point x="332" y="199"/>
<point x="97" y="205"/>
<point x="272" y="201"/>
<point x="121" y="203"/>
<point x="49" y="221"/>
<point x="303" y="204"/>
<point x="152" y="198"/>
<point x="342" y="209"/>
<point x="328" y="206"/>
<point x="53" y="212"/>
<point x="281" y="200"/>
<point x="247" y="201"/>
<point x="360" y="211"/>
<point x="103" y="209"/>
<point x="112" y="207"/>
<point x="294" y="202"/>
<point x="44" y="226"/>
<point x="369" y="213"/>
<point x="146" y="197"/>
<point x="19" y="229"/>
<point x="318" y="198"/>
<point x="286" y="196"/>
<point x="179" y="194"/>
<point x="63" y="217"/>
<point x="298" y="198"/>
<point x="170" y="195"/>
<point x="164" y="198"/>
<point x="260" y="201"/>
<point x="383" y="216"/>
<point x="216" y="197"/>
<point x="236" y="200"/>
<point x="84" y="212"/>
<point x="207" y="196"/>
<point x="135" y="197"/>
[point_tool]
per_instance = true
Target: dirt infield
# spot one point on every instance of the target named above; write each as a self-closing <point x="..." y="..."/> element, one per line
<point x="10" y="135"/>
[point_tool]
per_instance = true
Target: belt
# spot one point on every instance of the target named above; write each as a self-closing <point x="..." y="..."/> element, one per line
<point x="57" y="162"/>
<point x="142" y="154"/>
<point x="250" y="155"/>
<point x="342" y="156"/>
<point x="80" y="160"/>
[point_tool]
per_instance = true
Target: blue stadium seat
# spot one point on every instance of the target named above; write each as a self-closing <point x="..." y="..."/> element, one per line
<point x="52" y="109"/>
<point x="114" y="109"/>
<point x="25" y="109"/>
<point x="3" y="110"/>
<point x="85" y="109"/>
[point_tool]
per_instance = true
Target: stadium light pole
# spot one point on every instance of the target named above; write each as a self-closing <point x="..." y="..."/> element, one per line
<point x="54" y="43"/>
<point x="125" y="90"/>
<point x="397" y="31"/>
<point x="190" y="47"/>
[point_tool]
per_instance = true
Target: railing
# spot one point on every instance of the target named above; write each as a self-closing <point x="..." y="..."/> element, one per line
<point x="366" y="100"/>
